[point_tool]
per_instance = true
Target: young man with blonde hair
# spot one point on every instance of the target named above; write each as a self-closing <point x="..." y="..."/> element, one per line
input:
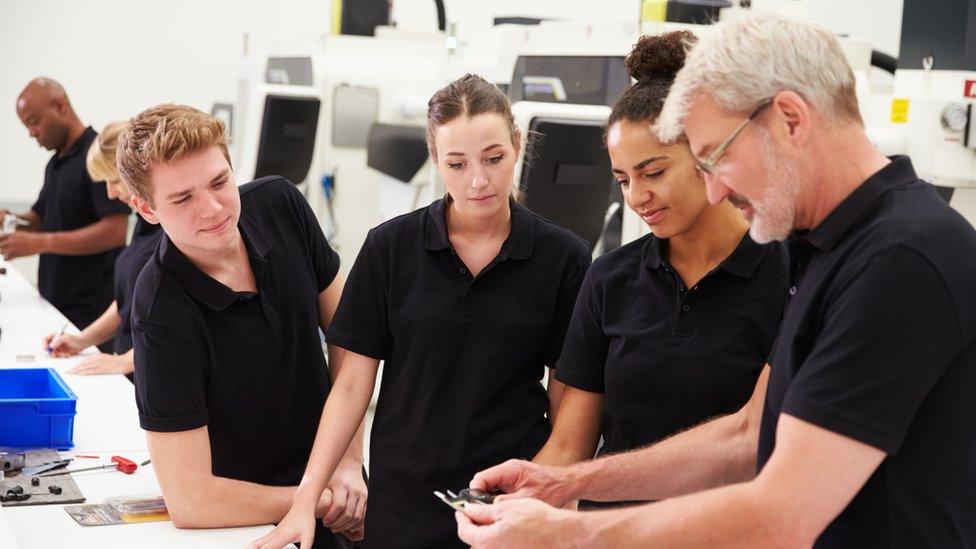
<point x="230" y="375"/>
<point x="861" y="431"/>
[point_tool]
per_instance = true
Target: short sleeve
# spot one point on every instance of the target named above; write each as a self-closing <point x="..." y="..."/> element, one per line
<point x="170" y="378"/>
<point x="361" y="322"/>
<point x="887" y="337"/>
<point x="325" y="260"/>
<point x="569" y="287"/>
<point x="584" y="356"/>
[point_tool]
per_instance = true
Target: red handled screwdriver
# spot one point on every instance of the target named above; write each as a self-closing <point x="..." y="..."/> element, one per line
<point x="118" y="462"/>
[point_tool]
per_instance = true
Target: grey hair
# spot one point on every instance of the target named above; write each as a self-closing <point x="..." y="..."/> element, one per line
<point x="755" y="56"/>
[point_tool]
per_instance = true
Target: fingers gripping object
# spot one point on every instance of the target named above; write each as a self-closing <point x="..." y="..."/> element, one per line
<point x="466" y="497"/>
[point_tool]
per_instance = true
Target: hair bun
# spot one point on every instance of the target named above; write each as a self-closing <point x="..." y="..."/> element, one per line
<point x="659" y="56"/>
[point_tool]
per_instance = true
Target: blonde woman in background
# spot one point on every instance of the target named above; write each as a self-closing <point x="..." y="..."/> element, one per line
<point x="114" y="322"/>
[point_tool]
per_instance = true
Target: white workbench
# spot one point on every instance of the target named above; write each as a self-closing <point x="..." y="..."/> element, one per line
<point x="106" y="424"/>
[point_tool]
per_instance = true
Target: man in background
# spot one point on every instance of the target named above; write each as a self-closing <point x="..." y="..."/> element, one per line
<point x="74" y="226"/>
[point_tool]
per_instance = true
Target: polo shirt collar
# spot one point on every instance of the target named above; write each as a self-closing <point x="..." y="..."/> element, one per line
<point x="832" y="229"/>
<point x="655" y="251"/>
<point x="745" y="258"/>
<point x="201" y="286"/>
<point x="258" y="244"/>
<point x="518" y="245"/>
<point x="82" y="142"/>
<point x="742" y="262"/>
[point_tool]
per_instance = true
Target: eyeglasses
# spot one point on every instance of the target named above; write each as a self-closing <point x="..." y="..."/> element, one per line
<point x="707" y="166"/>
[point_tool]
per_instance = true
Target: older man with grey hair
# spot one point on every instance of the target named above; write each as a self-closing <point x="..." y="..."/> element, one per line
<point x="862" y="429"/>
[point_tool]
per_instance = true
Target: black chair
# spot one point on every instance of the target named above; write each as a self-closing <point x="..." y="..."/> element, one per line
<point x="568" y="179"/>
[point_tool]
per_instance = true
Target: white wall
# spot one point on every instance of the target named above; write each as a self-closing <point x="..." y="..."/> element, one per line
<point x="878" y="21"/>
<point x="472" y="16"/>
<point x="117" y="57"/>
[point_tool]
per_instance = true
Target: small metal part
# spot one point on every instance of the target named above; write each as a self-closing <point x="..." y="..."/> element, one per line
<point x="49" y="466"/>
<point x="466" y="497"/>
<point x="452" y="502"/>
<point x="54" y="489"/>
<point x="16" y="490"/>
<point x="475" y="495"/>
<point x="11" y="460"/>
<point x="35" y="481"/>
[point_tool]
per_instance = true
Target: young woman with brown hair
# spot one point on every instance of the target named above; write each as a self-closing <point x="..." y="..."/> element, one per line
<point x="467" y="302"/>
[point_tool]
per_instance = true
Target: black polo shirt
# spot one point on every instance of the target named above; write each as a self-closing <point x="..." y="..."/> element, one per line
<point x="879" y="345"/>
<point x="668" y="357"/>
<point x="145" y="239"/>
<point x="248" y="365"/>
<point x="464" y="358"/>
<point x="80" y="286"/>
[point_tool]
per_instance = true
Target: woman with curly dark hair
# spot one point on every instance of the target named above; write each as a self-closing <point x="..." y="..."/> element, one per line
<point x="673" y="328"/>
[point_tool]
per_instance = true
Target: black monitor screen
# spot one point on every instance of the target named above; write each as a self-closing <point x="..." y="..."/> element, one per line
<point x="569" y="179"/>
<point x="580" y="80"/>
<point x="287" y="137"/>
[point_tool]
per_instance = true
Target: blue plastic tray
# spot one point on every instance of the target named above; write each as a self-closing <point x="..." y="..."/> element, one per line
<point x="37" y="409"/>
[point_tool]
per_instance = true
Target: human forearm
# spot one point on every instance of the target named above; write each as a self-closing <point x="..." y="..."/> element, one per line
<point x="341" y="422"/>
<point x="354" y="452"/>
<point x="555" y="390"/>
<point x="810" y="478"/>
<point x="223" y="502"/>
<point x="104" y="327"/>
<point x="742" y="515"/>
<point x="105" y="234"/>
<point x="575" y="430"/>
<point x="554" y="453"/>
<point x="716" y="453"/>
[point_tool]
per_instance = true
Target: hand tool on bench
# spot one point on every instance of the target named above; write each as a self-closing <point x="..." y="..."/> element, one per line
<point x="118" y="462"/>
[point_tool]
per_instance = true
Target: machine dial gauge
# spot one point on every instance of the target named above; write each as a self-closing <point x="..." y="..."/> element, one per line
<point x="954" y="117"/>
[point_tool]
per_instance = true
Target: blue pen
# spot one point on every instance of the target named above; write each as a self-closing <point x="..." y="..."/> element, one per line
<point x="57" y="335"/>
